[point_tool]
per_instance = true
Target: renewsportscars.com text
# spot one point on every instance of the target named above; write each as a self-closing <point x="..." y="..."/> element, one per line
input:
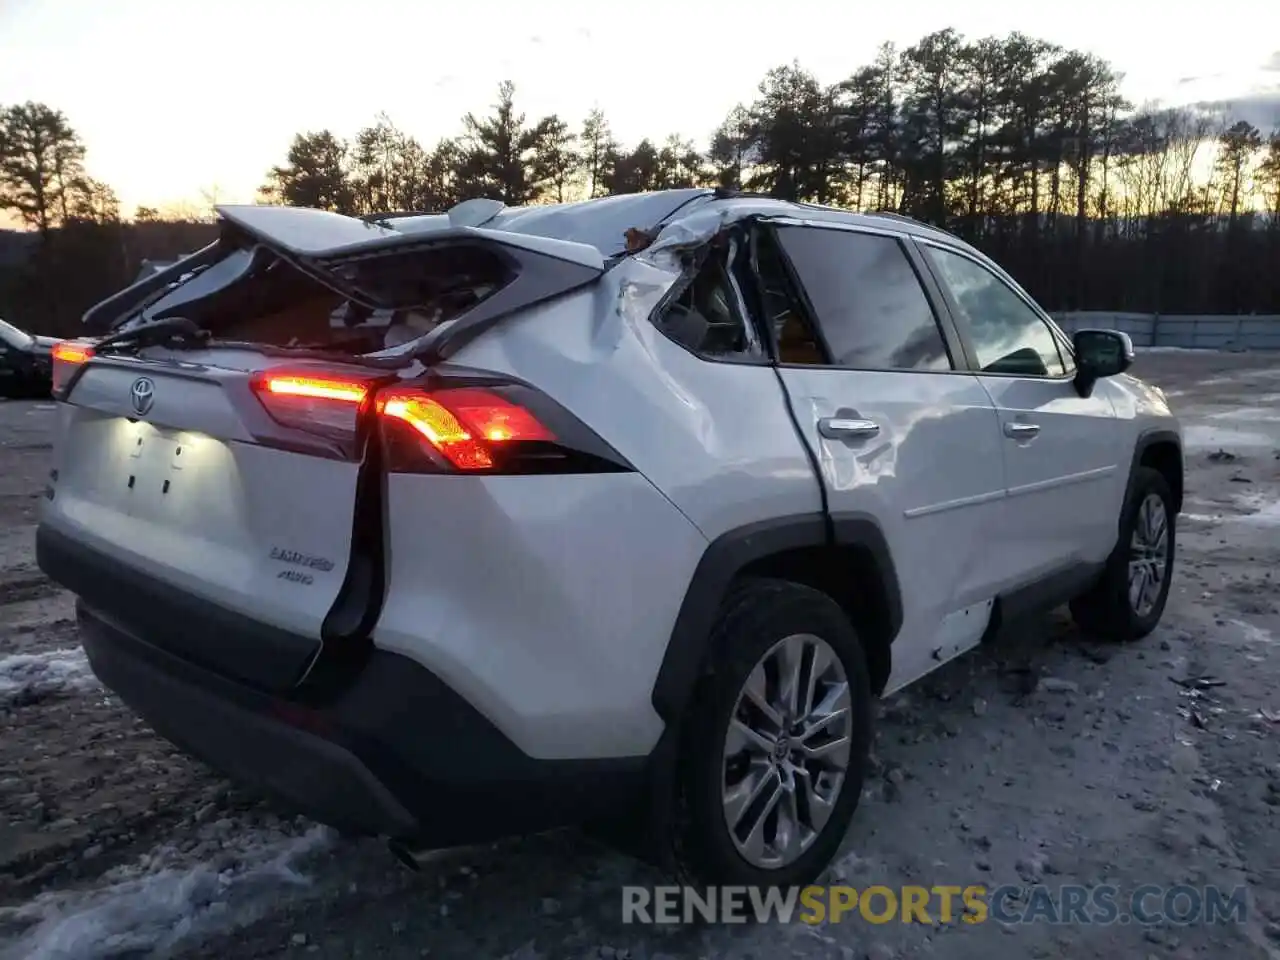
<point x="1066" y="904"/>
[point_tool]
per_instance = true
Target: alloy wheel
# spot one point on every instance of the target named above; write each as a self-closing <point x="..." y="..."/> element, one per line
<point x="1148" y="555"/>
<point x="787" y="751"/>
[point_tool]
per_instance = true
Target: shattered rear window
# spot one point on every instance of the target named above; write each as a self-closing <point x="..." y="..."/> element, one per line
<point x="708" y="316"/>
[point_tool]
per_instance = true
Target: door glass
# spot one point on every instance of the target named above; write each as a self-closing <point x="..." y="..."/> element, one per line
<point x="1008" y="336"/>
<point x="868" y="300"/>
<point x="780" y="308"/>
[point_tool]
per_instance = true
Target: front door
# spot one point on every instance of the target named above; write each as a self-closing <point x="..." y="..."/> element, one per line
<point x="1062" y="452"/>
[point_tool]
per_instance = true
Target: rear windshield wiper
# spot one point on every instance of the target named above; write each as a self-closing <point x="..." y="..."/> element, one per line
<point x="173" y="331"/>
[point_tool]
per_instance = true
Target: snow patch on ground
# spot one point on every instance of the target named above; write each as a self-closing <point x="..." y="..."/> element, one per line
<point x="1201" y="517"/>
<point x="1262" y="509"/>
<point x="1268" y="414"/>
<point x="150" y="906"/>
<point x="1267" y="515"/>
<point x="1199" y="436"/>
<point x="42" y="674"/>
<point x="1252" y="633"/>
<point x="1259" y="510"/>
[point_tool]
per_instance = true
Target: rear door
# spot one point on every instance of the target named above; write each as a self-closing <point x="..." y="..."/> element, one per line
<point x="1062" y="452"/>
<point x="898" y="432"/>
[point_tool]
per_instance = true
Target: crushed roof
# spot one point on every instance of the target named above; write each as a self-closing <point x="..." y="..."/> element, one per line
<point x="604" y="222"/>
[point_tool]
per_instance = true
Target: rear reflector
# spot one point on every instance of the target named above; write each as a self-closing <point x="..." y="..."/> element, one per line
<point x="68" y="356"/>
<point x="464" y="424"/>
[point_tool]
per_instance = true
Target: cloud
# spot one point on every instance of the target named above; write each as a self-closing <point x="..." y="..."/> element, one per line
<point x="1259" y="107"/>
<point x="1183" y="81"/>
<point x="1273" y="63"/>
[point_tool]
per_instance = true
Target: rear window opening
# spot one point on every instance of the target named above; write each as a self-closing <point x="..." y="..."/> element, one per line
<point x="250" y="294"/>
<point x="737" y="300"/>
<point x="709" y="313"/>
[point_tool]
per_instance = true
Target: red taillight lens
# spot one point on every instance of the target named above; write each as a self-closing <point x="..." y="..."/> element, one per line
<point x="491" y="417"/>
<point x="314" y="388"/>
<point x="67" y="356"/>
<point x="316" y="403"/>
<point x="466" y="425"/>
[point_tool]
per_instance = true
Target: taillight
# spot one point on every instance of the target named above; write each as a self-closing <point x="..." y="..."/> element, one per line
<point x="68" y="356"/>
<point x="318" y="403"/>
<point x="466" y="424"/>
<point x="314" y="388"/>
<point x="498" y="428"/>
<point x="458" y="426"/>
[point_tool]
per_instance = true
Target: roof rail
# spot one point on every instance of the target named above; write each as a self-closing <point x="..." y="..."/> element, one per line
<point x="733" y="193"/>
<point x="890" y="215"/>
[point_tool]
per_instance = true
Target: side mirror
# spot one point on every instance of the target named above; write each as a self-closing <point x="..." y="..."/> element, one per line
<point x="1100" y="353"/>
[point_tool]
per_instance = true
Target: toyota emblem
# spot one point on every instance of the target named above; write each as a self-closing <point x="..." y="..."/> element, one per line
<point x="142" y="395"/>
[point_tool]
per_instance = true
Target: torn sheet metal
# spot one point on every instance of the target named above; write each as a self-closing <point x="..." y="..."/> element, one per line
<point x="701" y="225"/>
<point x="641" y="285"/>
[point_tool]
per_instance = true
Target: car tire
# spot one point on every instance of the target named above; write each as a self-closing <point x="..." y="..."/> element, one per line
<point x="765" y="623"/>
<point x="1115" y="608"/>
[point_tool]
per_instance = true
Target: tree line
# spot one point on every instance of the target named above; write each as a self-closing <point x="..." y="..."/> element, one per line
<point x="1026" y="149"/>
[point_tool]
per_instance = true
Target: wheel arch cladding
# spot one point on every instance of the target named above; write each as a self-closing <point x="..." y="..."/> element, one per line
<point x="1161" y="450"/>
<point x="848" y="559"/>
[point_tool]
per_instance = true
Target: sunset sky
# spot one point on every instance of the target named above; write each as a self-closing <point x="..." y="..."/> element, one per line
<point x="174" y="97"/>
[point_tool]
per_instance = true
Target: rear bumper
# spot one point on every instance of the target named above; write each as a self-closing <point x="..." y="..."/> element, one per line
<point x="191" y="628"/>
<point x="395" y="753"/>
<point x="241" y="733"/>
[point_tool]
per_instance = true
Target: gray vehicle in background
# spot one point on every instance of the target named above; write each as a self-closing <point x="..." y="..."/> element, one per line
<point x="25" y="364"/>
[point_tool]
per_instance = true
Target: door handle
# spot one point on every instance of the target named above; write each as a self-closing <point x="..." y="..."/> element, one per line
<point x="847" y="428"/>
<point x="1021" y="431"/>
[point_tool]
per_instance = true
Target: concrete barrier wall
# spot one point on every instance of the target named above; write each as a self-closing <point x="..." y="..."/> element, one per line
<point x="1195" y="332"/>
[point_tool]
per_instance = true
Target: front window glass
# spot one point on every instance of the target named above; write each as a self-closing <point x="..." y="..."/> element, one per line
<point x="1008" y="336"/>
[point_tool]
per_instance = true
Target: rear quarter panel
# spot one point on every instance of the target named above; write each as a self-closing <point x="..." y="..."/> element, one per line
<point x="549" y="602"/>
<point x="715" y="438"/>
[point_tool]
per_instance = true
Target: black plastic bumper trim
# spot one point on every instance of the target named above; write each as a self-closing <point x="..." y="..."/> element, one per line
<point x="397" y="754"/>
<point x="265" y="657"/>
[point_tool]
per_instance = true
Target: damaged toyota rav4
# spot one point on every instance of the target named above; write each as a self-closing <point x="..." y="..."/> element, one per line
<point x="446" y="527"/>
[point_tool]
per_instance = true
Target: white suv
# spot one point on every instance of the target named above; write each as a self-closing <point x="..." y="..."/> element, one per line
<point x="648" y="500"/>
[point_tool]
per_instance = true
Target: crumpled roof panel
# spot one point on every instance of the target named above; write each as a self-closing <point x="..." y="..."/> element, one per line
<point x="601" y="223"/>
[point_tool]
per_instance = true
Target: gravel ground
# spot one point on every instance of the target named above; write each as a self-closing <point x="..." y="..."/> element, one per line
<point x="1045" y="758"/>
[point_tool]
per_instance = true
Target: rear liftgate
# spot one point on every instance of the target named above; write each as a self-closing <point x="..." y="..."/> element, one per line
<point x="228" y="499"/>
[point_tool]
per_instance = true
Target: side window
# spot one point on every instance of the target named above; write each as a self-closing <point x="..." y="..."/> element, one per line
<point x="1008" y="336"/>
<point x="707" y="316"/>
<point x="868" y="300"/>
<point x="779" y="307"/>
